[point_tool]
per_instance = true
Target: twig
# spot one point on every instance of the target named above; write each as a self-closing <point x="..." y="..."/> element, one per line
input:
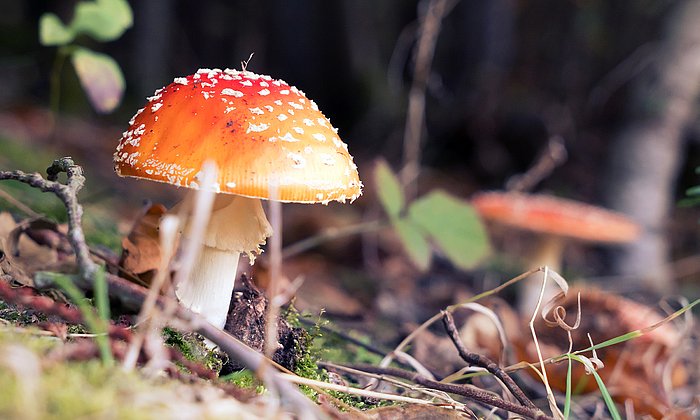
<point x="552" y="157"/>
<point x="406" y="341"/>
<point x="475" y="359"/>
<point x="274" y="292"/>
<point x="429" y="30"/>
<point x="397" y="383"/>
<point x="345" y="336"/>
<point x="20" y="205"/>
<point x="330" y="234"/>
<point x="67" y="193"/>
<point x="469" y="392"/>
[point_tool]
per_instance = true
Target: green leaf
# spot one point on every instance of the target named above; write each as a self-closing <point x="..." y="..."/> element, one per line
<point x="53" y="32"/>
<point x="389" y="189"/>
<point x="103" y="20"/>
<point x="453" y="225"/>
<point x="693" y="190"/>
<point x="100" y="77"/>
<point x="414" y="242"/>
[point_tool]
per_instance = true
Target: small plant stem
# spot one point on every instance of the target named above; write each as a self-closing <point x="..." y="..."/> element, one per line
<point x="20" y="205"/>
<point x="330" y="234"/>
<point x="274" y="288"/>
<point x="475" y="359"/>
<point x="345" y="336"/>
<point x="56" y="70"/>
<point x="97" y="325"/>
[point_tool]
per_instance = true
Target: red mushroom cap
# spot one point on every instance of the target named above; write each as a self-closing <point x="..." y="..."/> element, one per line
<point x="556" y="216"/>
<point x="259" y="131"/>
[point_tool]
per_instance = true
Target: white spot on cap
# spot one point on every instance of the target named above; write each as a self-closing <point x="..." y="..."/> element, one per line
<point x="264" y="92"/>
<point x="322" y="121"/>
<point x="284" y="92"/>
<point x="278" y="102"/>
<point x="282" y="117"/>
<point x="205" y="94"/>
<point x="257" y="127"/>
<point x="156" y="107"/>
<point x="319" y="137"/>
<point x="289" y="137"/>
<point x="295" y="105"/>
<point x="299" y="130"/>
<point x="256" y="111"/>
<point x="246" y="83"/>
<point x="308" y="150"/>
<point x="269" y="108"/>
<point x="180" y="80"/>
<point x="231" y="92"/>
<point x="308" y="122"/>
<point x="264" y="84"/>
<point x="298" y="160"/>
<point x="327" y="159"/>
<point x="229" y="109"/>
<point x="231" y="184"/>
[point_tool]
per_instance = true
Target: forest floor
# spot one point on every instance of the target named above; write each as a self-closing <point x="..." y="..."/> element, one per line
<point x="365" y="333"/>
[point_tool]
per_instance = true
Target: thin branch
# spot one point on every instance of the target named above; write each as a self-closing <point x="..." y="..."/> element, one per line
<point x="475" y="359"/>
<point x="469" y="392"/>
<point x="330" y="234"/>
<point x="429" y="30"/>
<point x="67" y="193"/>
<point x="20" y="205"/>
<point x="552" y="157"/>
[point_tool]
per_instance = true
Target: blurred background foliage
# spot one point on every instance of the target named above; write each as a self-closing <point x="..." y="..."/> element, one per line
<point x="507" y="76"/>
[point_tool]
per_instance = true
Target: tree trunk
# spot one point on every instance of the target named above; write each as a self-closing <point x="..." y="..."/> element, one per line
<point x="645" y="155"/>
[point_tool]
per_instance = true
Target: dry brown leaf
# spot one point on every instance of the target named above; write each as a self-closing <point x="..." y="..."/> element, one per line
<point x="30" y="246"/>
<point x="141" y="248"/>
<point x="632" y="369"/>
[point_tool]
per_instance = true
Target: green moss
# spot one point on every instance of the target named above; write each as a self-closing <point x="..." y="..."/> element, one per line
<point x="193" y="347"/>
<point x="319" y="346"/>
<point x="19" y="317"/>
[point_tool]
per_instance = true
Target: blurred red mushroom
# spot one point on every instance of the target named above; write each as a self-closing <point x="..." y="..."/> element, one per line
<point x="555" y="221"/>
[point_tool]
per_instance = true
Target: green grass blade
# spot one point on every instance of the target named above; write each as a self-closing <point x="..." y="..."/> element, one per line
<point x="92" y="320"/>
<point x="638" y="333"/>
<point x="610" y="404"/>
<point x="102" y="295"/>
<point x="567" y="400"/>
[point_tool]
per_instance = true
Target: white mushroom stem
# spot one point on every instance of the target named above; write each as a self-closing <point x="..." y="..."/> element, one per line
<point x="237" y="225"/>
<point x="546" y="250"/>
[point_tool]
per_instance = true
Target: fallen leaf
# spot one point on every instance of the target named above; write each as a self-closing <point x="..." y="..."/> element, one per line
<point x="141" y="248"/>
<point x="21" y="256"/>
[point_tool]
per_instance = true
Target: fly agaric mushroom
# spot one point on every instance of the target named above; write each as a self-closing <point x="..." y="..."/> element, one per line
<point x="264" y="136"/>
<point x="555" y="221"/>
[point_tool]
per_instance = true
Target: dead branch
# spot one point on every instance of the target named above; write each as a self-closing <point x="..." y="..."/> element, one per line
<point x="68" y="194"/>
<point x="472" y="393"/>
<point x="475" y="359"/>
